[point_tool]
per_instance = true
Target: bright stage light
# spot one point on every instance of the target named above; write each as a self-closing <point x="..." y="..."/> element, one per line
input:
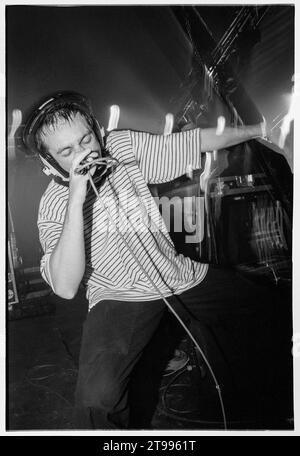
<point x="287" y="120"/>
<point x="221" y="125"/>
<point x="169" y="124"/>
<point x="114" y="117"/>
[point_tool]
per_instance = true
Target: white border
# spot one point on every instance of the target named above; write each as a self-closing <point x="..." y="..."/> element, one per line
<point x="177" y="432"/>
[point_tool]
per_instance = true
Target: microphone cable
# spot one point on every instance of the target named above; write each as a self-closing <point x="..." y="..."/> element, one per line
<point x="109" y="163"/>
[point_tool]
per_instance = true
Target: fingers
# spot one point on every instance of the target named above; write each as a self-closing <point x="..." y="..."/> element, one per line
<point x="91" y="156"/>
<point x="79" y="157"/>
<point x="82" y="158"/>
<point x="92" y="170"/>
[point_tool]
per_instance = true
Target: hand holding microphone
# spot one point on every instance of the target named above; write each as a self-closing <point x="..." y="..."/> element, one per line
<point x="88" y="162"/>
<point x="78" y="180"/>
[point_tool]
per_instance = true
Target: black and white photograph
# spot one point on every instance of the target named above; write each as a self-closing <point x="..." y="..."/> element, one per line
<point x="149" y="217"/>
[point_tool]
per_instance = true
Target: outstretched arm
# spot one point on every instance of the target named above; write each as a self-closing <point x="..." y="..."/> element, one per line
<point x="164" y="158"/>
<point x="230" y="136"/>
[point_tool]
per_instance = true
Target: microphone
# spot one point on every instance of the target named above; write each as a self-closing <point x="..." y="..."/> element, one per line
<point x="85" y="164"/>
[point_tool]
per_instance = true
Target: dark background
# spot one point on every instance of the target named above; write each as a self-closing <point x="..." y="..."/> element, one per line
<point x="133" y="56"/>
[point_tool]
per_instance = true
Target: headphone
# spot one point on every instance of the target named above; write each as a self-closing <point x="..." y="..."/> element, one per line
<point x="59" y="100"/>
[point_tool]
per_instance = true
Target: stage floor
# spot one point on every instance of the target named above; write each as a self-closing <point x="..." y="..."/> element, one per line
<point x="254" y="371"/>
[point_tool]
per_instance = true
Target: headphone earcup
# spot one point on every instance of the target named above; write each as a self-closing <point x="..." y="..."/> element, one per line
<point x="52" y="167"/>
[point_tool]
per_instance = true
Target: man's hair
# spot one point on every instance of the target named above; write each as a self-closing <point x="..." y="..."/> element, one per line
<point x="53" y="117"/>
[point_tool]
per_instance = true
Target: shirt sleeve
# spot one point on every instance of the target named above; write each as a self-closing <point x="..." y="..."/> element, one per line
<point x="49" y="233"/>
<point x="164" y="158"/>
<point x="50" y="225"/>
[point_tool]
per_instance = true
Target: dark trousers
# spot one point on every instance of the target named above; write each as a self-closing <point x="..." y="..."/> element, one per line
<point x="115" y="334"/>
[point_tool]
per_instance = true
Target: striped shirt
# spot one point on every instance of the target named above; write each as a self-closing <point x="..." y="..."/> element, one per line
<point x="125" y="222"/>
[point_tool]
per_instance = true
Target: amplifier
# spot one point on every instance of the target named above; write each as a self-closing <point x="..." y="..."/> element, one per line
<point x="237" y="221"/>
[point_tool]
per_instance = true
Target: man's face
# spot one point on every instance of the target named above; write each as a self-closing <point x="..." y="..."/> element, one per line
<point x="68" y="138"/>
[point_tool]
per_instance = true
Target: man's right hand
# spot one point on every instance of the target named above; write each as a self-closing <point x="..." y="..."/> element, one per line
<point x="78" y="181"/>
<point x="67" y="261"/>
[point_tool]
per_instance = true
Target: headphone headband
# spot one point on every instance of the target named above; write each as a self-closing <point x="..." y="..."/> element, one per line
<point x="53" y="103"/>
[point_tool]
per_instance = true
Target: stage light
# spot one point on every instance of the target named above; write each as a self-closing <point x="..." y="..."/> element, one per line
<point x="113" y="118"/>
<point x="287" y="120"/>
<point x="220" y="125"/>
<point x="169" y="124"/>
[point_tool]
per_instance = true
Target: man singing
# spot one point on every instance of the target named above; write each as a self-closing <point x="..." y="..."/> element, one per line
<point x="115" y="242"/>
